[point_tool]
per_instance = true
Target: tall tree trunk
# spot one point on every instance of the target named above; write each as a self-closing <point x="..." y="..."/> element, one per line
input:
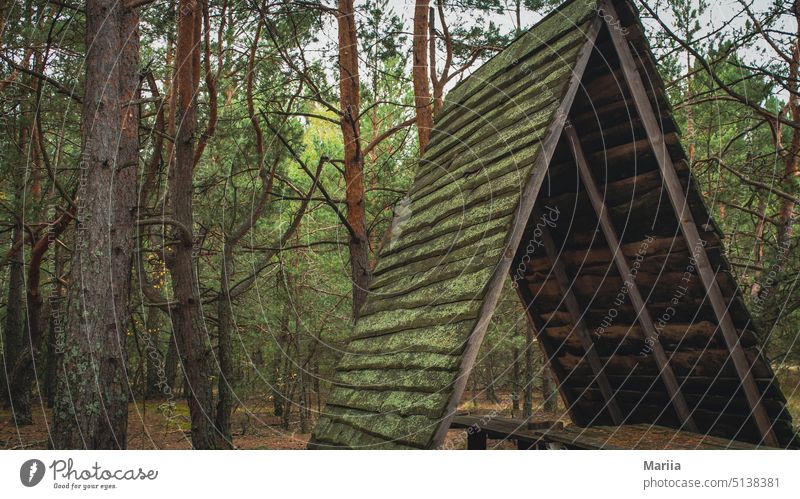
<point x="154" y="359"/>
<point x="192" y="337"/>
<point x="350" y="102"/>
<point x="277" y="376"/>
<point x="171" y="364"/>
<point x="527" y="396"/>
<point x="758" y="248"/>
<point x="515" y="383"/>
<point x="787" y="212"/>
<point x="548" y="388"/>
<point x="91" y="409"/>
<point x="690" y="135"/>
<point x="438" y="81"/>
<point x="792" y="151"/>
<point x="225" y="347"/>
<point x="302" y="406"/>
<point x="277" y="393"/>
<point x="14" y="330"/>
<point x="422" y="92"/>
<point x="55" y="331"/>
<point x="286" y="346"/>
<point x="491" y="387"/>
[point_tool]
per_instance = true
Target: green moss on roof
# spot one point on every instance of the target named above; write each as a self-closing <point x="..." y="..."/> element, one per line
<point x="400" y="360"/>
<point x="385" y="379"/>
<point x="457" y="212"/>
<point x="401" y="403"/>
<point x="423" y="258"/>
<point x="413" y="431"/>
<point x="440" y="243"/>
<point x="443" y="338"/>
<point x="392" y="387"/>
<point x="497" y="113"/>
<point x="484" y="178"/>
<point x="463" y="287"/>
<point x="510" y="84"/>
<point x="482" y="158"/>
<point x="396" y="320"/>
<point x="565" y="19"/>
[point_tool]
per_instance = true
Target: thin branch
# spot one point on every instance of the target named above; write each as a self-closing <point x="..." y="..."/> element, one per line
<point x="388" y="133"/>
<point x="54" y="83"/>
<point x="185" y="235"/>
<point x="328" y="199"/>
<point x="755" y="183"/>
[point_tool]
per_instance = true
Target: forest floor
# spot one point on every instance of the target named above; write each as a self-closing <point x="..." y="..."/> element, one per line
<point x="162" y="425"/>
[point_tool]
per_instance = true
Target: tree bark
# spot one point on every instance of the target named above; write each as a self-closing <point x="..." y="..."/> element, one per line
<point x="422" y="92"/>
<point x="91" y="409"/>
<point x="225" y="347"/>
<point x="350" y="101"/>
<point x="548" y="388"/>
<point x="154" y="359"/>
<point x="55" y="331"/>
<point x="190" y="331"/>
<point x="787" y="212"/>
<point x="792" y="151"/>
<point x="13" y="332"/>
<point x="515" y="383"/>
<point x="758" y="248"/>
<point x="171" y="361"/>
<point x="527" y="396"/>
<point x="298" y="365"/>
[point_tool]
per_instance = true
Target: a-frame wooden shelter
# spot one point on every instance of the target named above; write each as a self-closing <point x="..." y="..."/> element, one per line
<point x="557" y="163"/>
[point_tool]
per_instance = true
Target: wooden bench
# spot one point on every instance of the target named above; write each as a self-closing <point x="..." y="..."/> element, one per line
<point x="554" y="435"/>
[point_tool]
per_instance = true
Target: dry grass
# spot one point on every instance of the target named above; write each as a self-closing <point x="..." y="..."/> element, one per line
<point x="789" y="380"/>
<point x="160" y="425"/>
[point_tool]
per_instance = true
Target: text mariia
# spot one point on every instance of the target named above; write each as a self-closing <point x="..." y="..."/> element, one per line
<point x="668" y="465"/>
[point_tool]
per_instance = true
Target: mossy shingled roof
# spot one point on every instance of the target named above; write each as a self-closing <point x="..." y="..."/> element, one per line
<point x="393" y="384"/>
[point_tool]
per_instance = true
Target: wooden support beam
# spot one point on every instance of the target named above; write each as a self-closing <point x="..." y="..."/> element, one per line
<point x="549" y="351"/>
<point x="526" y="445"/>
<point x="476" y="440"/>
<point x="680" y="204"/>
<point x="580" y="326"/>
<point x="643" y="315"/>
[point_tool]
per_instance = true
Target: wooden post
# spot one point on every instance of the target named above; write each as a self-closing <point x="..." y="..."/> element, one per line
<point x="525" y="445"/>
<point x="680" y="204"/>
<point x="580" y="326"/>
<point x="476" y="440"/>
<point x="667" y="376"/>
